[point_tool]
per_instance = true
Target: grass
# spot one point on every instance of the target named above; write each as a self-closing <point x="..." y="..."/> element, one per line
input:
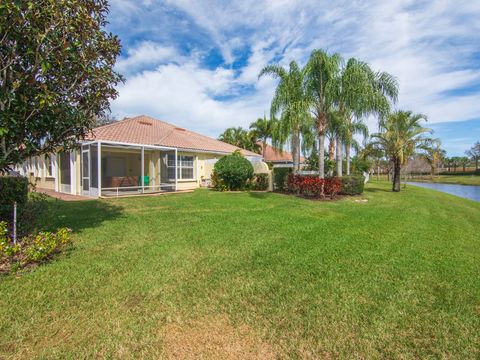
<point x="249" y="273"/>
<point x="450" y="179"/>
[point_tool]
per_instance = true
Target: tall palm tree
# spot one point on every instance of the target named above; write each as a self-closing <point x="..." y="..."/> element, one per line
<point x="401" y="133"/>
<point x="290" y="99"/>
<point x="263" y="130"/>
<point x="359" y="91"/>
<point x="351" y="127"/>
<point x="322" y="69"/>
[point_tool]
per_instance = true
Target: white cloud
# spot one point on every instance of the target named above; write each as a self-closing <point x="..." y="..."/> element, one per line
<point x="185" y="95"/>
<point x="145" y="54"/>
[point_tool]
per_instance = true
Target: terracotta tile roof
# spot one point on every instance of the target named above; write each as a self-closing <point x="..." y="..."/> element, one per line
<point x="276" y="155"/>
<point x="146" y="130"/>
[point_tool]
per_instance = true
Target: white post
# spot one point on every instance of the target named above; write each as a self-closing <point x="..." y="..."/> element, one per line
<point x="143" y="169"/>
<point x="99" y="165"/>
<point x="55" y="171"/>
<point x="73" y="172"/>
<point x="176" y="169"/>
<point x="15" y="223"/>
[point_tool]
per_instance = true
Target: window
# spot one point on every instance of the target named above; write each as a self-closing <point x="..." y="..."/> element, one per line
<point x="48" y="166"/>
<point x="185" y="167"/>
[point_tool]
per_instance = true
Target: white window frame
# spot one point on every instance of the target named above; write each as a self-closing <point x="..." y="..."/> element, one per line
<point x="48" y="160"/>
<point x="181" y="166"/>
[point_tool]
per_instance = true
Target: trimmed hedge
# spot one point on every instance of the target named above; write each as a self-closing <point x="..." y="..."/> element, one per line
<point x="232" y="172"/>
<point x="352" y="185"/>
<point x="313" y="186"/>
<point x="259" y="182"/>
<point x="280" y="176"/>
<point x="12" y="189"/>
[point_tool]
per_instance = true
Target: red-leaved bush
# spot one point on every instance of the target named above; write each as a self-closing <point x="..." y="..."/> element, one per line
<point x="311" y="186"/>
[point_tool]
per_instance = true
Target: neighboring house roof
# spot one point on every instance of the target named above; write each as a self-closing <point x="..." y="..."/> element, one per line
<point x="146" y="130"/>
<point x="275" y="155"/>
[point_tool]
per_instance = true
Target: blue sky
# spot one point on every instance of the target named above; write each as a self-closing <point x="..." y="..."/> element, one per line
<point x="196" y="63"/>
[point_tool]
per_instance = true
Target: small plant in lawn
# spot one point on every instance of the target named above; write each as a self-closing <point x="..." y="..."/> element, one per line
<point x="31" y="249"/>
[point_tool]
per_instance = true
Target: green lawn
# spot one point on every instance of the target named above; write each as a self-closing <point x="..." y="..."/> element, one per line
<point x="254" y="273"/>
<point x="451" y="179"/>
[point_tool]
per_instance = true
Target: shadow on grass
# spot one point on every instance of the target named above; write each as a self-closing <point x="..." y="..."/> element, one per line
<point x="258" y="195"/>
<point x="376" y="189"/>
<point x="79" y="215"/>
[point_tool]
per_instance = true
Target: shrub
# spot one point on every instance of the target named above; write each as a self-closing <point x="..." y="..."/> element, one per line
<point x="31" y="249"/>
<point x="259" y="182"/>
<point x="280" y="176"/>
<point x="352" y="185"/>
<point x="311" y="186"/>
<point x="233" y="171"/>
<point x="12" y="189"/>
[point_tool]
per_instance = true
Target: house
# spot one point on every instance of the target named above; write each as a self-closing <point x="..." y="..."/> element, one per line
<point x="279" y="158"/>
<point x="132" y="156"/>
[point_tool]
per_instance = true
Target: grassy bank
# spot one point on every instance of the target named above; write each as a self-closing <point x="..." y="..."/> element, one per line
<point x="254" y="273"/>
<point x="450" y="179"/>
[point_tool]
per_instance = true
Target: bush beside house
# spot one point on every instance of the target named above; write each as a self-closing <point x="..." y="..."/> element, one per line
<point x="232" y="172"/>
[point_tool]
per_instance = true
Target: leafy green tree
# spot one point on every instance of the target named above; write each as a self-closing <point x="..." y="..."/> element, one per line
<point x="291" y="101"/>
<point x="401" y="134"/>
<point x="474" y="153"/>
<point x="263" y="129"/>
<point x="322" y="68"/>
<point x="56" y="74"/>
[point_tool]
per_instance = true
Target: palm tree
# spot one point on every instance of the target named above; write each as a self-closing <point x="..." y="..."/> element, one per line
<point x="464" y="161"/>
<point x="359" y="91"/>
<point x="241" y="138"/>
<point x="290" y="99"/>
<point x="322" y="69"/>
<point x="351" y="127"/>
<point x="434" y="154"/>
<point x="263" y="130"/>
<point x="400" y="135"/>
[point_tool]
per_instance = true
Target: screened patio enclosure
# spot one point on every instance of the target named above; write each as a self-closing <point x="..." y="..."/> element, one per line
<point x="115" y="169"/>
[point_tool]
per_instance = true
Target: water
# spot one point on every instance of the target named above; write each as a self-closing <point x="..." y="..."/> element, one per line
<point x="465" y="191"/>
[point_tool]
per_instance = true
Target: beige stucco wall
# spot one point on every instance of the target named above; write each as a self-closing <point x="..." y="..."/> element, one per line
<point x="203" y="168"/>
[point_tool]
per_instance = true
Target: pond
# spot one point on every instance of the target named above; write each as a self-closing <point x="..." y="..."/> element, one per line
<point x="465" y="191"/>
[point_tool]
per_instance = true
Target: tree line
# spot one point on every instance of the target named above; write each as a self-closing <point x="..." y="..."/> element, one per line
<point x="330" y="98"/>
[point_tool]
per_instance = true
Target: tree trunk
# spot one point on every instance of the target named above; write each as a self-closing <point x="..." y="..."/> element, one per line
<point x="347" y="156"/>
<point x="378" y="172"/>
<point x="321" y="155"/>
<point x="339" y="157"/>
<point x="331" y="149"/>
<point x="396" y="175"/>
<point x="296" y="152"/>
